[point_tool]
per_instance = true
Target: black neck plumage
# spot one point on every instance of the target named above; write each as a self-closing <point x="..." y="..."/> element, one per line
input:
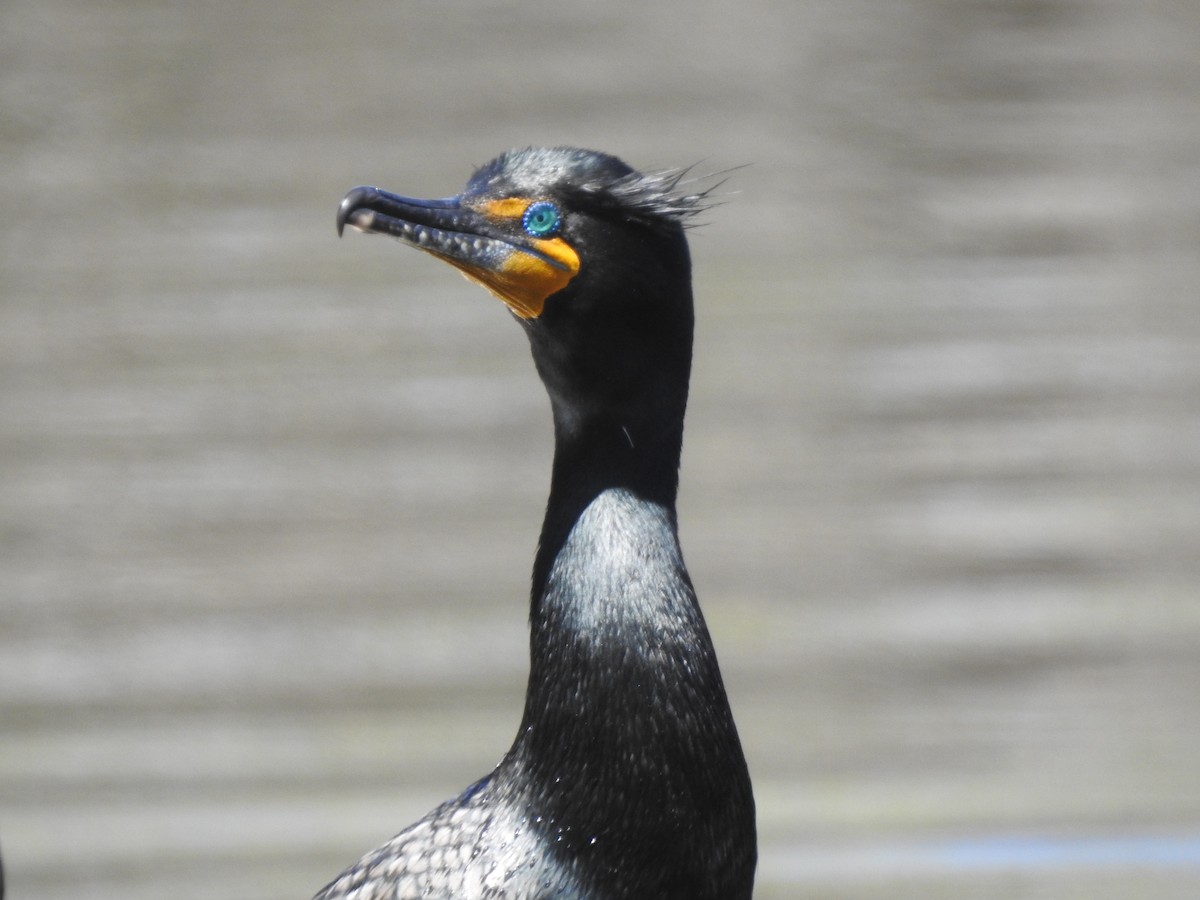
<point x="627" y="745"/>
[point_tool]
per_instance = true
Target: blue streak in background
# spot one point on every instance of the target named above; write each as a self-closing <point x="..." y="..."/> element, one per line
<point x="1081" y="852"/>
<point x="1006" y="853"/>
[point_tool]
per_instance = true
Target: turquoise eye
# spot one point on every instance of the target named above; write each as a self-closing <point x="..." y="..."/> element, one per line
<point x="541" y="219"/>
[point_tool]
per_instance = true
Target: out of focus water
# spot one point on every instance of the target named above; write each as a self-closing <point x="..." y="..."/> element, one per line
<point x="268" y="500"/>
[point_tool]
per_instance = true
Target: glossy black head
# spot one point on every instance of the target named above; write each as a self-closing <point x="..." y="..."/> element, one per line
<point x="592" y="258"/>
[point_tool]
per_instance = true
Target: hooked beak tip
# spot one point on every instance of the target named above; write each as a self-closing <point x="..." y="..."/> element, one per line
<point x="354" y="202"/>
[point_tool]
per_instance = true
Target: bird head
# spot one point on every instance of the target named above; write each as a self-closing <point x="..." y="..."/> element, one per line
<point x="589" y="254"/>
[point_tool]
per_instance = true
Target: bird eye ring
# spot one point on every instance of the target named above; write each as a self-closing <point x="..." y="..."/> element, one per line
<point x="541" y="219"/>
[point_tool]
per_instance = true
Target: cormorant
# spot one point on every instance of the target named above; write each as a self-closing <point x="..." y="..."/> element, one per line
<point x="626" y="779"/>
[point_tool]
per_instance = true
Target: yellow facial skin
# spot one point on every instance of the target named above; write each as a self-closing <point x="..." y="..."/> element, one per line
<point x="522" y="280"/>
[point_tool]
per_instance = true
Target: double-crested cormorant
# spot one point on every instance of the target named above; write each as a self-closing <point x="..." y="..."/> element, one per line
<point x="626" y="778"/>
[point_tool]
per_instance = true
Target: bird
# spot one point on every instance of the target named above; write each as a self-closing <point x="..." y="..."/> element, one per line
<point x="626" y="778"/>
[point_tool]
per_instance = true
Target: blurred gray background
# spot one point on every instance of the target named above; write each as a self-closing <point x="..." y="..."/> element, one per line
<point x="268" y="500"/>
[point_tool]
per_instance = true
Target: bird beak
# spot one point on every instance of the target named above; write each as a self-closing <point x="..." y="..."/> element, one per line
<point x="485" y="242"/>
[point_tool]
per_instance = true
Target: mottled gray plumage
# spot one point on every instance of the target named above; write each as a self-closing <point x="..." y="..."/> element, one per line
<point x="626" y="780"/>
<point x="477" y="846"/>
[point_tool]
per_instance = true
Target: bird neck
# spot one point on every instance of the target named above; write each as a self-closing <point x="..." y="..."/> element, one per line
<point x="627" y="748"/>
<point x="609" y="574"/>
<point x="640" y="456"/>
<point x="616" y="630"/>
